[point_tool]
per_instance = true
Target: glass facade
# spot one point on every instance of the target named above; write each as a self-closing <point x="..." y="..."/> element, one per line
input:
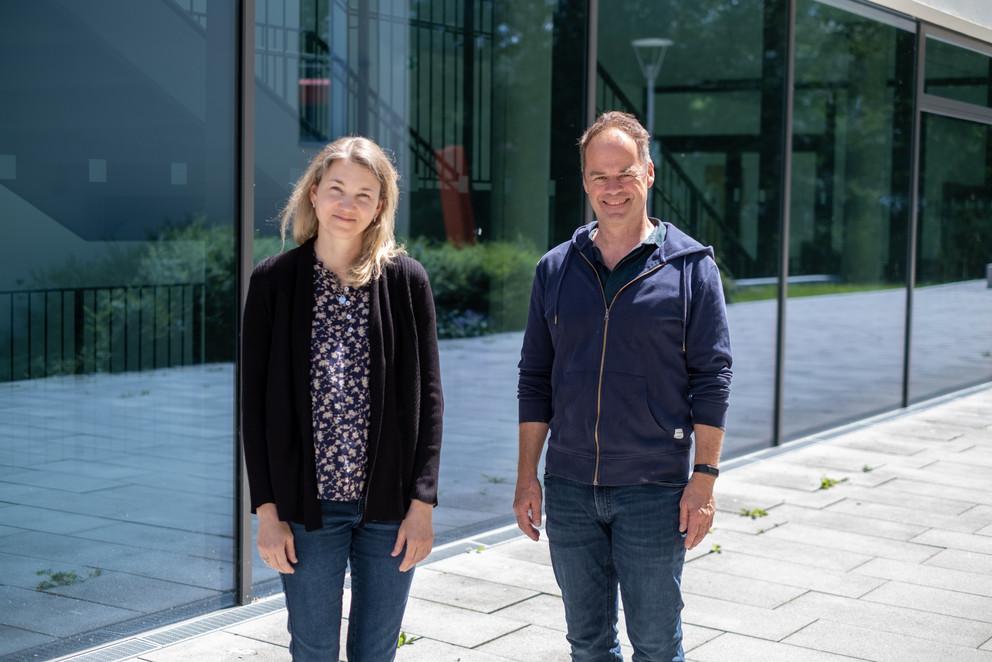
<point x="118" y="303"/>
<point x="850" y="211"/>
<point x="119" y="287"/>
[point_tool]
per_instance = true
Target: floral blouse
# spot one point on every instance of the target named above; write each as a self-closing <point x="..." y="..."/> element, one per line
<point x="339" y="385"/>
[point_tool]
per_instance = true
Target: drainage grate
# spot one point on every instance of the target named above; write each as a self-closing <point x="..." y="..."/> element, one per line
<point x="179" y="632"/>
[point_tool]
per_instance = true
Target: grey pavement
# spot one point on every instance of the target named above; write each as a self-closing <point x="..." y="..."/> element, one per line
<point x="122" y="485"/>
<point x="871" y="544"/>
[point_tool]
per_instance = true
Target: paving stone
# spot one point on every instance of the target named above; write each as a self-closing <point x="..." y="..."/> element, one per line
<point x="466" y="592"/>
<point x="545" y="610"/>
<point x="694" y="636"/>
<point x="963" y="541"/>
<point x="525" y="549"/>
<point x="32" y="610"/>
<point x="830" y="519"/>
<point x="805" y="577"/>
<point x="501" y="569"/>
<point x="781" y="549"/>
<point x="936" y="486"/>
<point x="461" y="627"/>
<point x="270" y="628"/>
<point x="922" y="503"/>
<point x="890" y="618"/>
<point x="956" y="559"/>
<point x="48" y="520"/>
<point x="919" y="430"/>
<point x="878" y="646"/>
<point x="854" y="542"/>
<point x="985" y="531"/>
<point x="874" y="443"/>
<point x="219" y="647"/>
<point x="754" y="495"/>
<point x="965" y="523"/>
<point x="429" y="650"/>
<point x="742" y="619"/>
<point x="13" y="640"/>
<point x="936" y="600"/>
<point x="736" y="521"/>
<point x="739" y="648"/>
<point x="534" y="643"/>
<point x="698" y="581"/>
<point x="924" y="575"/>
<point x="133" y="592"/>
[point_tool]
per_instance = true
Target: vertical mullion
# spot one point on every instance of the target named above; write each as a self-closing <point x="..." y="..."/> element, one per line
<point x="784" y="218"/>
<point x="244" y="203"/>
<point x="592" y="62"/>
<point x="914" y="206"/>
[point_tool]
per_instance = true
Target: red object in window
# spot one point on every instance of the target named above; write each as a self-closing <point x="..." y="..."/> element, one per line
<point x="456" y="198"/>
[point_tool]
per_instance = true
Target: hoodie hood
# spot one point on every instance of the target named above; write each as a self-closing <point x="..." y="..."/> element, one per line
<point x="676" y="243"/>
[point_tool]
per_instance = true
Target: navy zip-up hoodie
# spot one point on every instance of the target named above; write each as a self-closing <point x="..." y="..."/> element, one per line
<point x="622" y="383"/>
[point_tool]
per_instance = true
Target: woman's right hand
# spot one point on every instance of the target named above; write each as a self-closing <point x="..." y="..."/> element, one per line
<point x="275" y="540"/>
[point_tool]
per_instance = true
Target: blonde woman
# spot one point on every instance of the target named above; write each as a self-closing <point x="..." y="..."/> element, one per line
<point x="341" y="407"/>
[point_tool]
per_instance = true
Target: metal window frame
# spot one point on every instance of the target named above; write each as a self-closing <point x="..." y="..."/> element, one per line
<point x="245" y="157"/>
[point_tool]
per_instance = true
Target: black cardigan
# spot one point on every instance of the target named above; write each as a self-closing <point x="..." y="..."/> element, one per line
<point x="404" y="442"/>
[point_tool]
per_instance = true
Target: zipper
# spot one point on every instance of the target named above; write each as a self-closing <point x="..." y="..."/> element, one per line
<point x="602" y="357"/>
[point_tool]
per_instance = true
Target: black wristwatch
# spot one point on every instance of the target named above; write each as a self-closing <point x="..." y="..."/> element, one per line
<point x="705" y="469"/>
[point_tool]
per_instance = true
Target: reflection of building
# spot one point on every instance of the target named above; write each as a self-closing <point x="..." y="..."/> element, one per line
<point x="137" y="170"/>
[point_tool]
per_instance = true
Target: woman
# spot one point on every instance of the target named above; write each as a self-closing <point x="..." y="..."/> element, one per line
<point x="341" y="407"/>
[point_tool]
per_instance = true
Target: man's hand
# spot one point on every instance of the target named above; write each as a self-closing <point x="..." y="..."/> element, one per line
<point x="527" y="506"/>
<point x="275" y="540"/>
<point x="696" y="509"/>
<point x="416" y="533"/>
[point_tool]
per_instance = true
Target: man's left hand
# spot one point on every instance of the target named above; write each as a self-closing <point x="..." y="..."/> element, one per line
<point x="696" y="509"/>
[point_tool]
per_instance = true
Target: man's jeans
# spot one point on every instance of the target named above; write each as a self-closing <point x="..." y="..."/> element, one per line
<point x="604" y="536"/>
<point x="378" y="589"/>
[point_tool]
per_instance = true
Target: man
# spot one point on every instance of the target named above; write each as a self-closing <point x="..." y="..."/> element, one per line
<point x="626" y="358"/>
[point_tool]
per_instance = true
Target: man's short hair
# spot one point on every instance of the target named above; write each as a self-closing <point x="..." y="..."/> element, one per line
<point x="615" y="119"/>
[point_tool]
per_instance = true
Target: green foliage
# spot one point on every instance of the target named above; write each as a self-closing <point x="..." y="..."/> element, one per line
<point x="495" y="480"/>
<point x="754" y="513"/>
<point x="736" y="294"/>
<point x="54" y="579"/>
<point x="478" y="289"/>
<point x="826" y="482"/>
<point x="716" y="549"/>
<point x="867" y="468"/>
<point x="406" y="639"/>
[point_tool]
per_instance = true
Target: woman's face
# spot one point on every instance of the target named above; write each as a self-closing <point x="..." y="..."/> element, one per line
<point x="346" y="200"/>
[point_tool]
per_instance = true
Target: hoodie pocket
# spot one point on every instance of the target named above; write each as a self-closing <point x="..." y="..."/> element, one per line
<point x="627" y="424"/>
<point x="574" y="404"/>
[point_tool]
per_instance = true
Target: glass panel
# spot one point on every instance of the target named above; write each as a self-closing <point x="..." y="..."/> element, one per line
<point x="952" y="301"/>
<point x="852" y="127"/>
<point x="716" y="115"/>
<point x="400" y="73"/>
<point x="117" y="308"/>
<point x="958" y="73"/>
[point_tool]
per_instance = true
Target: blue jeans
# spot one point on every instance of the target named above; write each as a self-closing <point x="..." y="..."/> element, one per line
<point x="314" y="591"/>
<point x="605" y="537"/>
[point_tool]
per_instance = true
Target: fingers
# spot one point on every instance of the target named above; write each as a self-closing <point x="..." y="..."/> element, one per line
<point x="400" y="541"/>
<point x="291" y="550"/>
<point x="275" y="557"/>
<point x="683" y="515"/>
<point x="416" y="551"/>
<point x="698" y="527"/>
<point x="527" y="508"/>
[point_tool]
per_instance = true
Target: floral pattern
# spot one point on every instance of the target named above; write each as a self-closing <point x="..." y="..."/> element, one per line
<point x="339" y="385"/>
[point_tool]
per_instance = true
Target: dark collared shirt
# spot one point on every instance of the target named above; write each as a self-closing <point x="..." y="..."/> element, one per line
<point x="630" y="266"/>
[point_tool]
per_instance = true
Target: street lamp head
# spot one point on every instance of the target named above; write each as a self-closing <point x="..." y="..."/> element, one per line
<point x="650" y="53"/>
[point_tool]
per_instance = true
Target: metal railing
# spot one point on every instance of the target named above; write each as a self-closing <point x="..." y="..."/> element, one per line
<point x="71" y="331"/>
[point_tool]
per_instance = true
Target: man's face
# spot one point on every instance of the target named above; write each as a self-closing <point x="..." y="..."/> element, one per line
<point x="615" y="179"/>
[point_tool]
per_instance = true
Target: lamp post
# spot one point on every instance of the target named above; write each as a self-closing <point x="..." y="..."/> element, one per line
<point x="650" y="53"/>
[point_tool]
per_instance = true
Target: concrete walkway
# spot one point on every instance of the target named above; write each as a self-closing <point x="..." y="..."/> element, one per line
<point x="876" y="545"/>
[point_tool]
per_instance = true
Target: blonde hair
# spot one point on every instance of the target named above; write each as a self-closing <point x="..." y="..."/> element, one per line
<point x="379" y="245"/>
<point x="625" y="122"/>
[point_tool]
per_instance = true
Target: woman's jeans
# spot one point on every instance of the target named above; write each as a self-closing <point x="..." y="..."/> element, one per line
<point x="314" y="591"/>
<point x="602" y="537"/>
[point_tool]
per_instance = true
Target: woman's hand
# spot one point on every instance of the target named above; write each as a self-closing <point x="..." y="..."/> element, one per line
<point x="417" y="533"/>
<point x="275" y="540"/>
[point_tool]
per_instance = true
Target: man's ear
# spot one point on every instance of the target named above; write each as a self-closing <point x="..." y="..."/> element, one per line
<point x="650" y="173"/>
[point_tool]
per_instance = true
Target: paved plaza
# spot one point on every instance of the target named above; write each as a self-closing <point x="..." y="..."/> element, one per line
<point x="116" y="491"/>
<point x="874" y="544"/>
